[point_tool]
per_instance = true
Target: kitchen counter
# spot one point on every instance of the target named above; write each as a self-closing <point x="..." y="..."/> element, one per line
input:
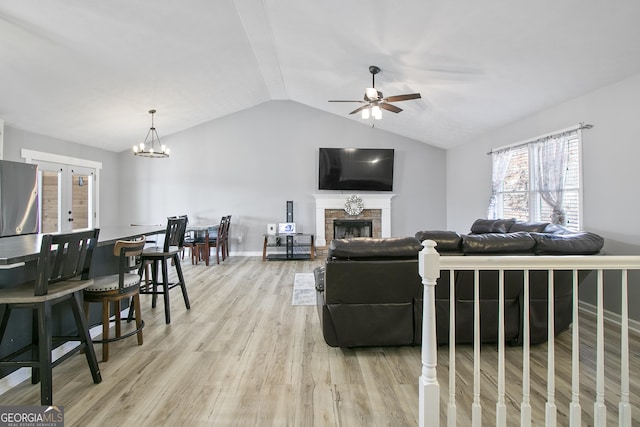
<point x="16" y="250"/>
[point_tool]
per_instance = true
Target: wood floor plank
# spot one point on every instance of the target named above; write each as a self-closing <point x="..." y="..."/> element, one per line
<point x="244" y="356"/>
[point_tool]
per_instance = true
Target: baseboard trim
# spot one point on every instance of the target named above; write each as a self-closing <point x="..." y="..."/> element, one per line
<point x="245" y="254"/>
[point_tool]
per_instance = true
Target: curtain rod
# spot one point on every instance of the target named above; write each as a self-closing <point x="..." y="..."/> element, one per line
<point x="541" y="137"/>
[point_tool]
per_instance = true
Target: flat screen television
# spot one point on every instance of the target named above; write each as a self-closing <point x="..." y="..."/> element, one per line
<point x="356" y="169"/>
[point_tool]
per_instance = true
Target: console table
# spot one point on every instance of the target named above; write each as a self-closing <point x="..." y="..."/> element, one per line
<point x="298" y="246"/>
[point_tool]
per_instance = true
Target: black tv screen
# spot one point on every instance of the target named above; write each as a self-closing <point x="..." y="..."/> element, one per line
<point x="356" y="169"/>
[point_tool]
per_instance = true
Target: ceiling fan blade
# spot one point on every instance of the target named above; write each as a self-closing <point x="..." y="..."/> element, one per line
<point x="357" y="110"/>
<point x="406" y="97"/>
<point x="389" y="107"/>
<point x="345" y="100"/>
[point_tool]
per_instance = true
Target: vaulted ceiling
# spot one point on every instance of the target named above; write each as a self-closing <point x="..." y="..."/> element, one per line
<point x="88" y="71"/>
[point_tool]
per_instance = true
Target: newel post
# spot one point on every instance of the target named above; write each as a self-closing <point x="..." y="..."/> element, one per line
<point x="429" y="389"/>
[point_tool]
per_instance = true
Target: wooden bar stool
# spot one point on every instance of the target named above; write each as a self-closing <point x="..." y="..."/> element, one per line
<point x="113" y="289"/>
<point x="62" y="274"/>
<point x="158" y="258"/>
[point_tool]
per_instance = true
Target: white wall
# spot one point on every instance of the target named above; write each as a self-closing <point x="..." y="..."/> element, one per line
<point x="250" y="163"/>
<point x="16" y="139"/>
<point x="610" y="153"/>
<point x="610" y="168"/>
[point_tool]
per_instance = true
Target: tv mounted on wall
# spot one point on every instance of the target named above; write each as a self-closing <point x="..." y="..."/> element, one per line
<point x="356" y="169"/>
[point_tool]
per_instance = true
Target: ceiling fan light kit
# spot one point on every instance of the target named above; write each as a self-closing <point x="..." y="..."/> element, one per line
<point x="371" y="94"/>
<point x="375" y="101"/>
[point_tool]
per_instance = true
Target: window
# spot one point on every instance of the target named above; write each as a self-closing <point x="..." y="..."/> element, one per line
<point x="539" y="180"/>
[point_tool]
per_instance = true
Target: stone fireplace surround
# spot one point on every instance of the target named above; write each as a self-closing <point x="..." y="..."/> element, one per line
<point x="377" y="207"/>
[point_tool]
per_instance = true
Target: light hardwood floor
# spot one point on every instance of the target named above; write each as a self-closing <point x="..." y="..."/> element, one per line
<point x="244" y="356"/>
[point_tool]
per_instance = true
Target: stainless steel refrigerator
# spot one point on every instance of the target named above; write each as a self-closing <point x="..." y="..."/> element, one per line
<point x="18" y="198"/>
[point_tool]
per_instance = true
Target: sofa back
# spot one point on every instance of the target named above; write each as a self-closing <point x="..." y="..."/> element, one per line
<point x="511" y="237"/>
<point x="369" y="290"/>
<point x="370" y="271"/>
<point x="367" y="248"/>
<point x="372" y="282"/>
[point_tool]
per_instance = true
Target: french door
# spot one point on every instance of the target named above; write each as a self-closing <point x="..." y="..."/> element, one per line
<point x="67" y="197"/>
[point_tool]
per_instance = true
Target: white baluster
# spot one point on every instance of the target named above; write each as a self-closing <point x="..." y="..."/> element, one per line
<point x="575" y="411"/>
<point x="624" y="408"/>
<point x="429" y="389"/>
<point x="525" y="407"/>
<point x="551" y="411"/>
<point x="476" y="407"/>
<point x="501" y="407"/>
<point x="599" y="408"/>
<point x="451" y="408"/>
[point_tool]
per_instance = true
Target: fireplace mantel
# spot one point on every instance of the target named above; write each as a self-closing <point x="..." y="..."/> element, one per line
<point x="337" y="201"/>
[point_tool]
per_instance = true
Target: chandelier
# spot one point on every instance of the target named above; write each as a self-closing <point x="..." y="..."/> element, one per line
<point x="151" y="148"/>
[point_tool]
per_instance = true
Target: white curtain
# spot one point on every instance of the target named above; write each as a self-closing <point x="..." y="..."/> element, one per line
<point x="500" y="160"/>
<point x="551" y="158"/>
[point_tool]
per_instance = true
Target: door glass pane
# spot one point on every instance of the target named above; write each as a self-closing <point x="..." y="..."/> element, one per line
<point x="50" y="201"/>
<point x="66" y="197"/>
<point x="81" y="200"/>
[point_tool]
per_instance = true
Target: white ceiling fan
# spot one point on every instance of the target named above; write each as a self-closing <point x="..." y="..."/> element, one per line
<point x="374" y="101"/>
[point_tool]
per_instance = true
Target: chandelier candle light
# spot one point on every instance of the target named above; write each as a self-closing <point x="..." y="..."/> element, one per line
<point x="151" y="148"/>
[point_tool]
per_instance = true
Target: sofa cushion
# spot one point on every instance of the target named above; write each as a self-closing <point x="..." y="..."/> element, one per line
<point x="481" y="226"/>
<point x="368" y="247"/>
<point x="537" y="227"/>
<point x="507" y="243"/>
<point x="447" y="241"/>
<point x="581" y="243"/>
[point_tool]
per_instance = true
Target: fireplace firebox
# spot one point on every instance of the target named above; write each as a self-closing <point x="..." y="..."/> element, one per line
<point x="350" y="228"/>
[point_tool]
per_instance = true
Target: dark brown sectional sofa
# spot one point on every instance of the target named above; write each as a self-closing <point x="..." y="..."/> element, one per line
<point x="369" y="292"/>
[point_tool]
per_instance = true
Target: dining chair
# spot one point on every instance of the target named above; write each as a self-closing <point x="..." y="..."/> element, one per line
<point x="62" y="273"/>
<point x="226" y="236"/>
<point x="158" y="258"/>
<point x="189" y="243"/>
<point x="115" y="288"/>
<point x="214" y="239"/>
